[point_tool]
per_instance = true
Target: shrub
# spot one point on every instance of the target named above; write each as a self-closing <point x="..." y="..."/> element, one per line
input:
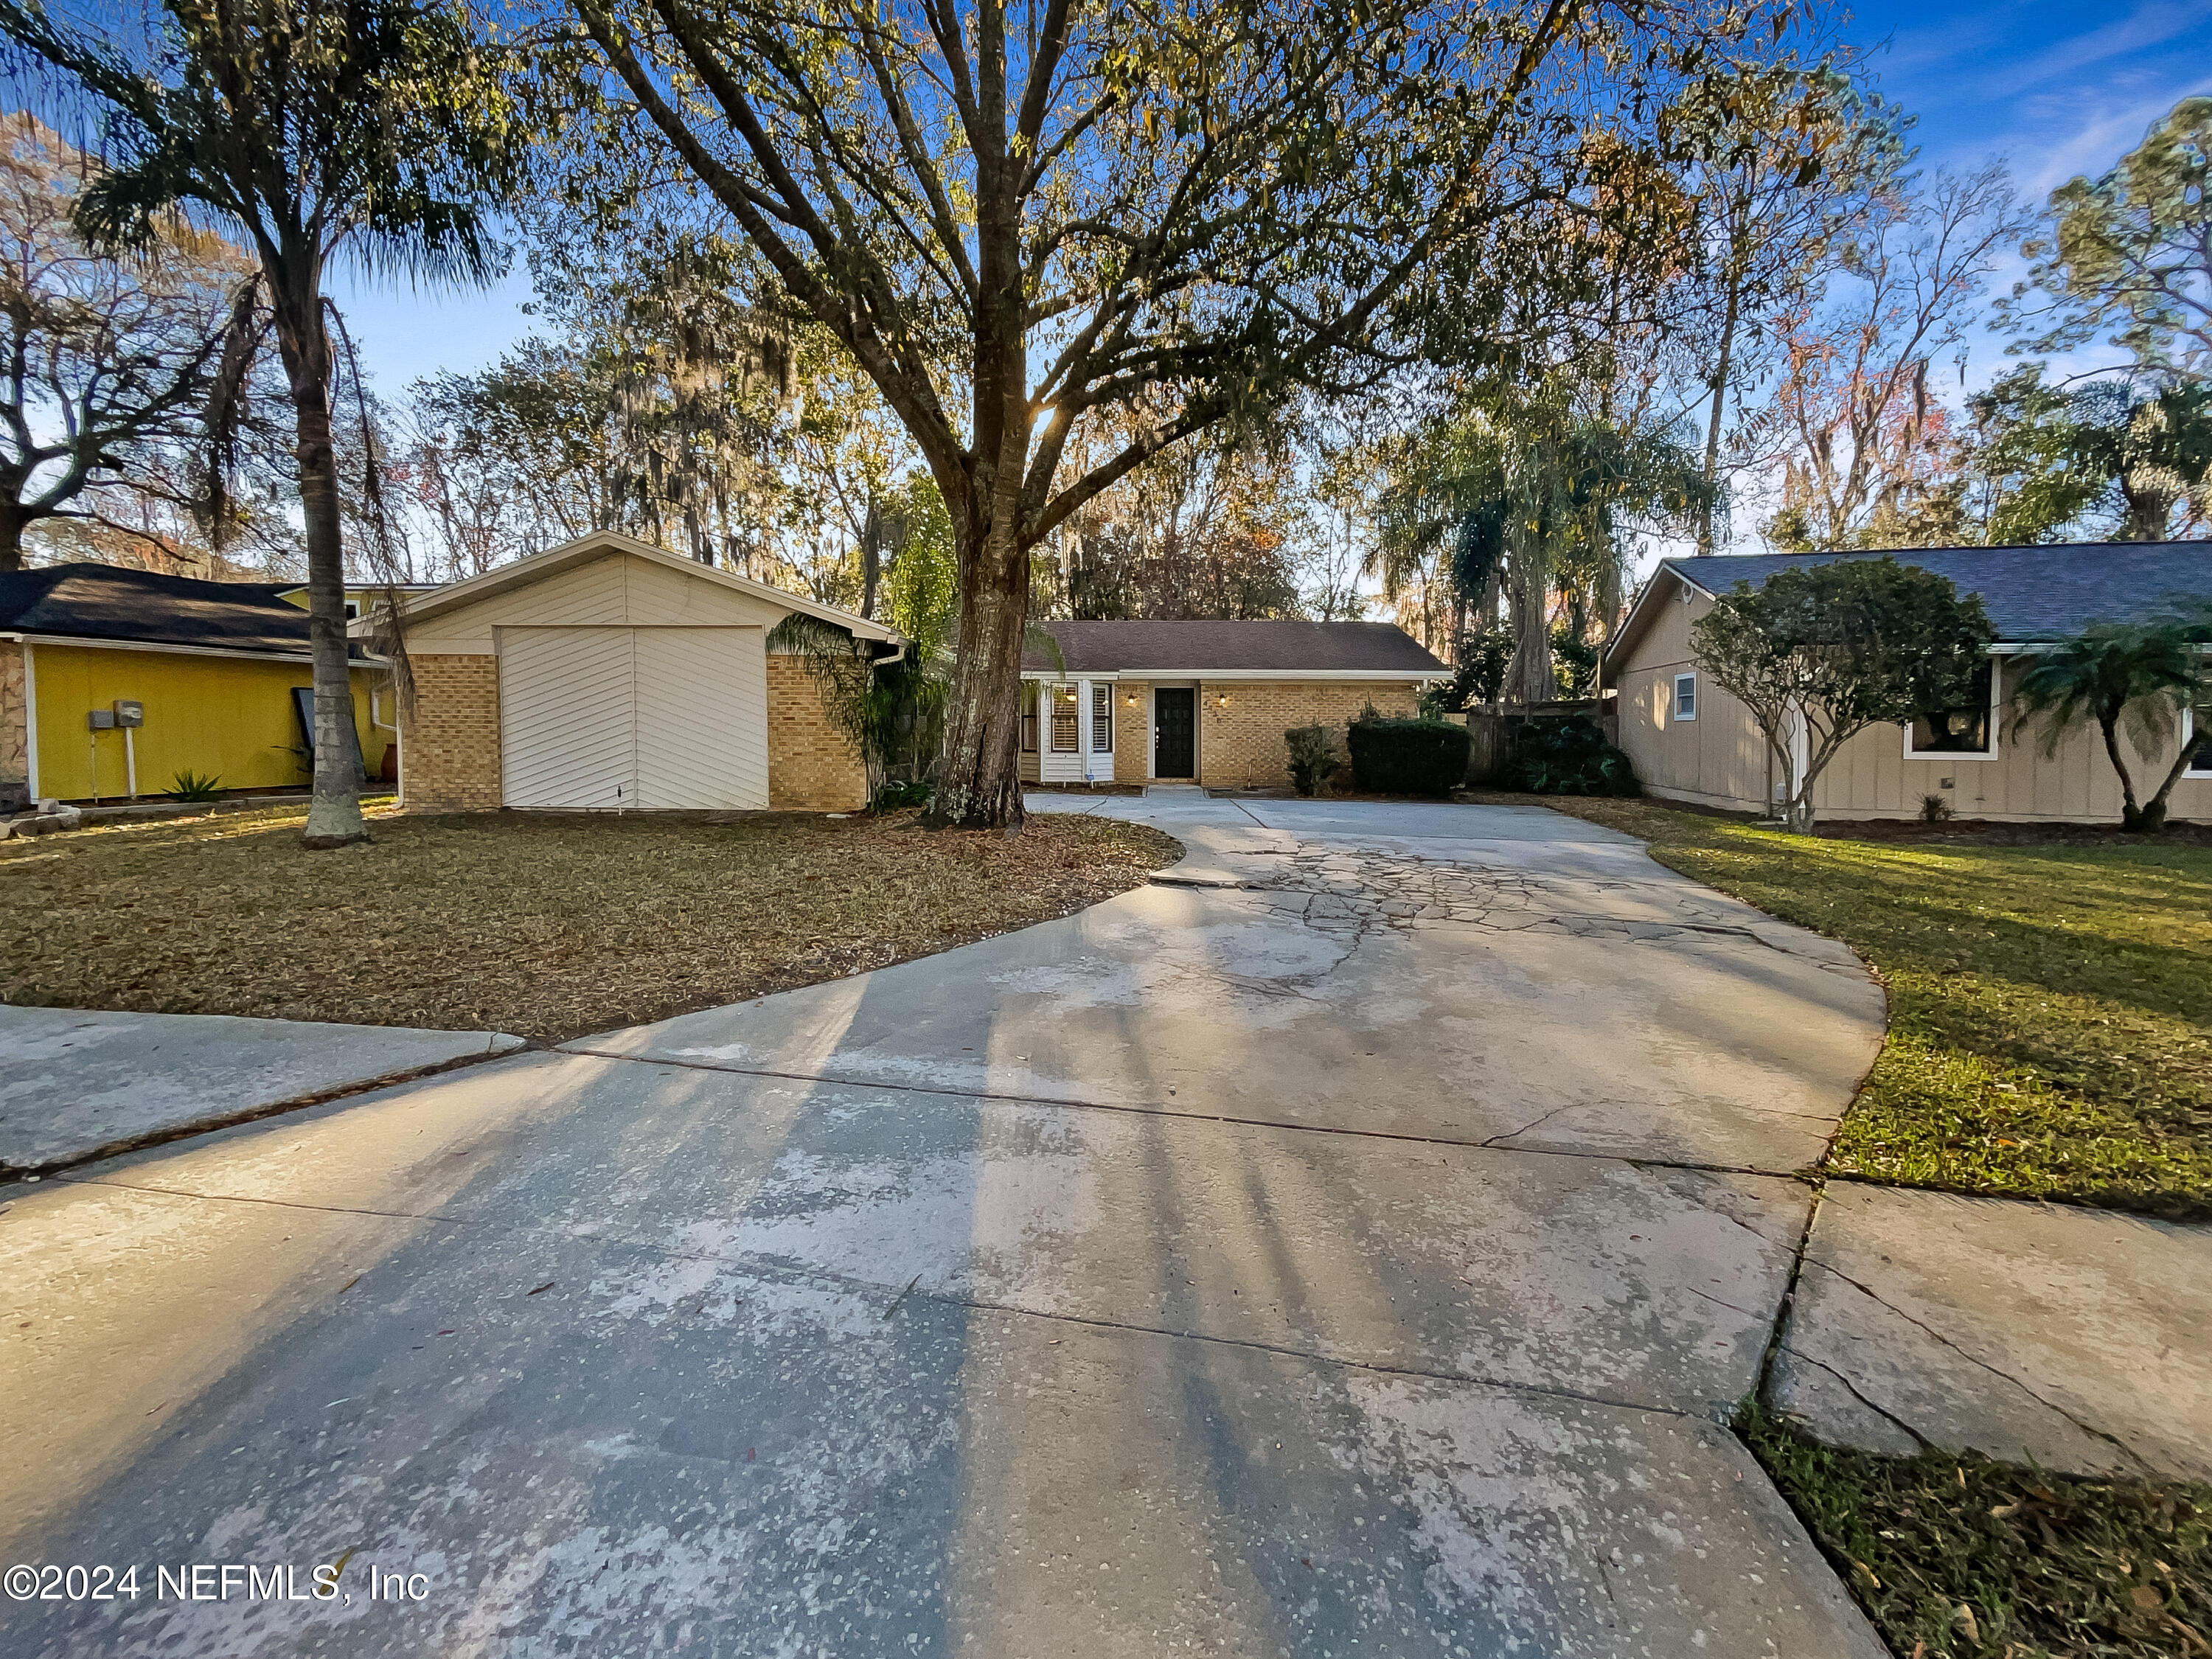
<point x="891" y="797"/>
<point x="1408" y="757"/>
<point x="1570" y="756"/>
<point x="1314" y="759"/>
<point x="189" y="785"/>
<point x="1935" y="809"/>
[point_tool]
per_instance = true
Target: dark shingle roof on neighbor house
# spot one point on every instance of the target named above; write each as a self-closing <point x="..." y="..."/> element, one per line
<point x="1292" y="649"/>
<point x="108" y="602"/>
<point x="2034" y="595"/>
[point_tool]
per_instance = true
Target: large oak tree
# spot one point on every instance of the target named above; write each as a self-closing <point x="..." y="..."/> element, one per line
<point x="1016" y="218"/>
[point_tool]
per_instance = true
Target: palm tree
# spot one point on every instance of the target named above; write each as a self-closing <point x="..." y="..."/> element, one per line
<point x="2139" y="675"/>
<point x="1504" y="505"/>
<point x="306" y="129"/>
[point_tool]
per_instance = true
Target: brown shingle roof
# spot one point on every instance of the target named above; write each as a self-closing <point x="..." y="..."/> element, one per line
<point x="1198" y="648"/>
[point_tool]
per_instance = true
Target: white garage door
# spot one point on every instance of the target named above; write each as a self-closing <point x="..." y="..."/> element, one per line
<point x="609" y="719"/>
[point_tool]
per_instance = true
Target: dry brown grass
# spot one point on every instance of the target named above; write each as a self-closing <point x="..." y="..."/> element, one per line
<point x="546" y="926"/>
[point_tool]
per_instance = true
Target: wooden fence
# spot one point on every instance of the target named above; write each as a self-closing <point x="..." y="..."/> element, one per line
<point x="1490" y="755"/>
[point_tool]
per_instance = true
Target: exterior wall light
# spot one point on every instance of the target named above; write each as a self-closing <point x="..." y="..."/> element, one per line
<point x="1222" y="702"/>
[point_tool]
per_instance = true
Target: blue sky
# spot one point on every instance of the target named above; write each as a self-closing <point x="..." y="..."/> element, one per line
<point x="2053" y="89"/>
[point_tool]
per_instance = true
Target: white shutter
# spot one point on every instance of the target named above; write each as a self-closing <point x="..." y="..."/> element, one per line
<point x="567" y="702"/>
<point x="702" y="717"/>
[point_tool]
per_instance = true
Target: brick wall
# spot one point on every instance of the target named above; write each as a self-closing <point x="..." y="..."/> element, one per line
<point x="1242" y="747"/>
<point x="449" y="749"/>
<point x="812" y="766"/>
<point x="1132" y="732"/>
<point x="15" y="740"/>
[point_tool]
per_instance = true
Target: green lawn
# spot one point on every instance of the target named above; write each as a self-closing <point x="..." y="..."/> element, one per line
<point x="1958" y="1556"/>
<point x="2050" y="1005"/>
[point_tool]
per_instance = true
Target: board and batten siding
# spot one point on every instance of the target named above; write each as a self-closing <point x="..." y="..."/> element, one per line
<point x="1720" y="758"/>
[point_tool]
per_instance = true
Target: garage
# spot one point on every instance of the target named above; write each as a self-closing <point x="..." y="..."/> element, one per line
<point x="619" y="718"/>
<point x="606" y="676"/>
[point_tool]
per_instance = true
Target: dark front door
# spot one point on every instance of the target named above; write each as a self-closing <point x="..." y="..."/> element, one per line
<point x="1175" y="733"/>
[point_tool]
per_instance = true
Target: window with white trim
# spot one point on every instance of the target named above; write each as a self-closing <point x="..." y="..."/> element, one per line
<point x="1063" y="719"/>
<point x="1101" y="720"/>
<point x="1685" y="697"/>
<point x="2197" y="732"/>
<point x="1029" y="718"/>
<point x="1968" y="732"/>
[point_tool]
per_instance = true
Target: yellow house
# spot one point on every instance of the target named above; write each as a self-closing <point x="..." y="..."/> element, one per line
<point x="212" y="673"/>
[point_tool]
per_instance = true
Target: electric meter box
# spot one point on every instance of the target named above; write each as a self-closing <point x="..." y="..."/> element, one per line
<point x="103" y="719"/>
<point x="128" y="713"/>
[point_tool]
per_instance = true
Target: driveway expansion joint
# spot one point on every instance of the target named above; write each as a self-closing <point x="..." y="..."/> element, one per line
<point x="1631" y="1160"/>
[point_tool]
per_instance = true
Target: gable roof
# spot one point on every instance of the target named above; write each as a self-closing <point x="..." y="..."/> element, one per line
<point x="536" y="567"/>
<point x="1294" y="650"/>
<point x="109" y="602"/>
<point x="2034" y="595"/>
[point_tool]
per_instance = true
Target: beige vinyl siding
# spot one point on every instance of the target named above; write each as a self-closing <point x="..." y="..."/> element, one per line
<point x="1719" y="759"/>
<point x="617" y="591"/>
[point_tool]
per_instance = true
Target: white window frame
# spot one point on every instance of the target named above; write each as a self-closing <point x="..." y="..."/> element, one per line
<point x="1051" y="698"/>
<point x="2193" y="770"/>
<point x="1102" y="717"/>
<point x="1675" y="716"/>
<point x="1996" y="708"/>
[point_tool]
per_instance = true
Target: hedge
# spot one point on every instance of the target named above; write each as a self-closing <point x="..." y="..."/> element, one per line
<point x="1408" y="757"/>
<point x="1570" y="756"/>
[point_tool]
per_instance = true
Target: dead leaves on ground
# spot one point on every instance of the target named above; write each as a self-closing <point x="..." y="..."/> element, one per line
<point x="547" y="926"/>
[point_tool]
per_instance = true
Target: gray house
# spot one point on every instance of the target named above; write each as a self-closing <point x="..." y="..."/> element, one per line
<point x="1692" y="742"/>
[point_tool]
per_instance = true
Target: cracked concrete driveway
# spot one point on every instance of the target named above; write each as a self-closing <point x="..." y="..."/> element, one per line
<point x="1349" y="1242"/>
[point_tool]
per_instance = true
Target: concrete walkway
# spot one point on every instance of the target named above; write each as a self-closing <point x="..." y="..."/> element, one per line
<point x="75" y="1084"/>
<point x="2079" y="1339"/>
<point x="1348" y="1244"/>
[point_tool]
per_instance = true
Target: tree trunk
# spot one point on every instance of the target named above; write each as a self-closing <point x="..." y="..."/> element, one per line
<point x="979" y="787"/>
<point x="2149" y="508"/>
<point x="872" y="558"/>
<point x="1713" y="467"/>
<point x="334" y="815"/>
<point x="12" y="520"/>
<point x="1530" y="679"/>
<point x="2132" y="815"/>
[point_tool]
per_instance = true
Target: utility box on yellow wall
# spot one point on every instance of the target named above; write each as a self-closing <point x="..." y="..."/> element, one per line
<point x="86" y="651"/>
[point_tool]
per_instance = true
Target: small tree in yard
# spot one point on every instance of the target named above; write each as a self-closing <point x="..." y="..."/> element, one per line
<point x="1314" y="759"/>
<point x="1831" y="649"/>
<point x="2138" y="674"/>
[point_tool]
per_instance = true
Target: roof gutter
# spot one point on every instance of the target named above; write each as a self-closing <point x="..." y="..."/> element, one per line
<point x="1236" y="675"/>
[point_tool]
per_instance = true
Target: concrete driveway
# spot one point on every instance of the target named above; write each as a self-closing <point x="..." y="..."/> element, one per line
<point x="1349" y="1243"/>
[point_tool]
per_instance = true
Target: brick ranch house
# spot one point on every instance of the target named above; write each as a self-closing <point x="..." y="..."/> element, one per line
<point x="606" y="675"/>
<point x="1691" y="741"/>
<point x="1204" y="702"/>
